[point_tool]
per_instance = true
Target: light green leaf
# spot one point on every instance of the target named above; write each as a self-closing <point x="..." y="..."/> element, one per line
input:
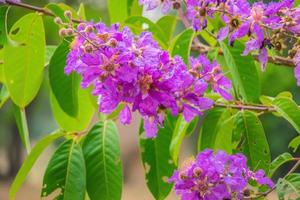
<point x="243" y="70"/>
<point x="295" y="143"/>
<point x="289" y="110"/>
<point x="103" y="162"/>
<point x="81" y="12"/>
<point x="37" y="150"/>
<point x="84" y="117"/>
<point x="289" y="185"/>
<point x="177" y="137"/>
<point x="255" y="145"/>
<point x="66" y="172"/>
<point x="181" y="45"/>
<point x="134" y="9"/>
<point x="117" y="10"/>
<point x="50" y="49"/>
<point x="168" y="25"/>
<point x="24" y="59"/>
<point x="115" y="114"/>
<point x="3" y="37"/>
<point x="58" y="9"/>
<point x="4" y="95"/>
<point x="277" y="162"/>
<point x="64" y="87"/>
<point x="157" y="161"/>
<point x="21" y="122"/>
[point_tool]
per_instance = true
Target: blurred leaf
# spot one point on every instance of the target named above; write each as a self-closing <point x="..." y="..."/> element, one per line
<point x="139" y="24"/>
<point x="157" y="161"/>
<point x="224" y="136"/>
<point x="24" y="59"/>
<point x="168" y="25"/>
<point x="84" y="117"/>
<point x="134" y="9"/>
<point x="115" y="114"/>
<point x="289" y="110"/>
<point x="192" y="126"/>
<point x="37" y="150"/>
<point x="266" y="100"/>
<point x="177" y="137"/>
<point x="295" y="143"/>
<point x="81" y="12"/>
<point x="21" y="122"/>
<point x="64" y="87"/>
<point x="4" y="95"/>
<point x="277" y="162"/>
<point x="3" y="37"/>
<point x="255" y="145"/>
<point x="206" y="36"/>
<point x="58" y="9"/>
<point x="211" y="125"/>
<point x="289" y="185"/>
<point x="103" y="162"/>
<point x="117" y="10"/>
<point x="286" y="94"/>
<point x="243" y="70"/>
<point x="181" y="45"/>
<point x="50" y="49"/>
<point x="66" y="171"/>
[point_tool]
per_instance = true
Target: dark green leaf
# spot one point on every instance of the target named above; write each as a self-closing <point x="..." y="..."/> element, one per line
<point x="277" y="162"/>
<point x="168" y="25"/>
<point x="134" y="9"/>
<point x="64" y="87"/>
<point x="295" y="143"/>
<point x="157" y="161"/>
<point x="24" y="59"/>
<point x="3" y="38"/>
<point x="117" y="10"/>
<point x="181" y="44"/>
<point x="243" y="70"/>
<point x="59" y="9"/>
<point x="4" y="95"/>
<point x="103" y="162"/>
<point x="66" y="172"/>
<point x="289" y="185"/>
<point x="255" y="145"/>
<point x="37" y="150"/>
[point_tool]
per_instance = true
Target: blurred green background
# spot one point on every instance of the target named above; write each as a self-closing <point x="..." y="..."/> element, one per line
<point x="41" y="122"/>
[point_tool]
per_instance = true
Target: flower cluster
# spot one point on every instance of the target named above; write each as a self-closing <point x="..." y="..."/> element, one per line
<point x="265" y="25"/>
<point x="216" y="177"/>
<point x="135" y="71"/>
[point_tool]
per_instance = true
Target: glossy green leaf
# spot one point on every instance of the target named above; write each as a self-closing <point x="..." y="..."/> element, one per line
<point x="289" y="185"/>
<point x="295" y="143"/>
<point x="21" y="122"/>
<point x="139" y="24"/>
<point x="24" y="59"/>
<point x="211" y="126"/>
<point x="181" y="45"/>
<point x="177" y="138"/>
<point x="4" y="95"/>
<point x="254" y="142"/>
<point x="84" y="117"/>
<point x="66" y="172"/>
<point x="37" y="150"/>
<point x="168" y="25"/>
<point x="64" y="87"/>
<point x="103" y="162"/>
<point x="157" y="161"/>
<point x="134" y="9"/>
<point x="243" y="70"/>
<point x="224" y="136"/>
<point x="289" y="110"/>
<point x="279" y="161"/>
<point x="117" y="10"/>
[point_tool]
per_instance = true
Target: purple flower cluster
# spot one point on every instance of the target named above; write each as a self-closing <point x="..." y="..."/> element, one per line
<point x="135" y="71"/>
<point x="216" y="177"/>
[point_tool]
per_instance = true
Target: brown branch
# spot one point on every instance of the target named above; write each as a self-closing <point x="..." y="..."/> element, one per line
<point x="246" y="107"/>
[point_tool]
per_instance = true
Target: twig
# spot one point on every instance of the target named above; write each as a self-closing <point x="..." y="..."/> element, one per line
<point x="246" y="107"/>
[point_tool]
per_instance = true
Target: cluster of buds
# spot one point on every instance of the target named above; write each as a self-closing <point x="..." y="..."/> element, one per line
<point x="67" y="29"/>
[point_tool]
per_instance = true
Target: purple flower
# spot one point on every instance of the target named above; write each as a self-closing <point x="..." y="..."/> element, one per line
<point x="152" y="4"/>
<point x="215" y="177"/>
<point x="125" y="115"/>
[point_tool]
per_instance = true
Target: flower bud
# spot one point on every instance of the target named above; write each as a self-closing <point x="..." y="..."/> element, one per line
<point x="89" y="29"/>
<point x="69" y="31"/>
<point x="62" y="32"/>
<point x="197" y="171"/>
<point x="88" y="48"/>
<point x="57" y="20"/>
<point x="182" y="176"/>
<point x="68" y="14"/>
<point x="176" y="5"/>
<point x="81" y="26"/>
<point x="112" y="42"/>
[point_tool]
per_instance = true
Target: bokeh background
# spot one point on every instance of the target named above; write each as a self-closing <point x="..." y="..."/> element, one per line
<point x="41" y="122"/>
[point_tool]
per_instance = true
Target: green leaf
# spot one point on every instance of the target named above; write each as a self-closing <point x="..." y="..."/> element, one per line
<point x="66" y="172"/>
<point x="4" y="95"/>
<point x="277" y="162"/>
<point x="58" y="9"/>
<point x="255" y="145"/>
<point x="224" y="136"/>
<point x="289" y="110"/>
<point x="192" y="126"/>
<point x="177" y="137"/>
<point x="134" y="9"/>
<point x="117" y="10"/>
<point x="37" y="150"/>
<point x="103" y="162"/>
<point x="3" y="37"/>
<point x="64" y="87"/>
<point x="181" y="45"/>
<point x="157" y="161"/>
<point x="24" y="59"/>
<point x="21" y="122"/>
<point x="168" y="25"/>
<point x="84" y="117"/>
<point x="139" y="24"/>
<point x="289" y="185"/>
<point x="81" y="12"/>
<point x="295" y="143"/>
<point x="243" y="70"/>
<point x="50" y="49"/>
<point x="211" y="126"/>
